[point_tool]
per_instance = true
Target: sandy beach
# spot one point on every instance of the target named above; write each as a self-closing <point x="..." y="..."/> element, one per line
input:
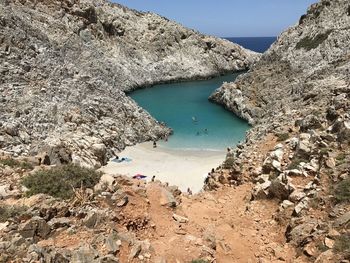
<point x="181" y="168"/>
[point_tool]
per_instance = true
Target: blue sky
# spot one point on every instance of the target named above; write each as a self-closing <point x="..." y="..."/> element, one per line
<point x="228" y="17"/>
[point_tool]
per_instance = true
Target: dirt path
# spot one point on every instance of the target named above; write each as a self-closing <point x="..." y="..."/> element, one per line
<point x="223" y="223"/>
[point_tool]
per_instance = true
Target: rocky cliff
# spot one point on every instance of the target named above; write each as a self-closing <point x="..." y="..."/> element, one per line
<point x="297" y="97"/>
<point x="65" y="66"/>
<point x="300" y="74"/>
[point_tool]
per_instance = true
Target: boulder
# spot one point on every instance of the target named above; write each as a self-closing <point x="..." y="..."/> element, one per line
<point x="301" y="233"/>
<point x="302" y="205"/>
<point x="304" y="146"/>
<point x="91" y="220"/>
<point x="167" y="198"/>
<point x="286" y="204"/>
<point x="59" y="222"/>
<point x="309" y="122"/>
<point x="35" y="228"/>
<point x="135" y="250"/>
<point x="329" y="242"/>
<point x="84" y="255"/>
<point x="297" y="195"/>
<point x="261" y="191"/>
<point x="342" y="220"/>
<point x="180" y="219"/>
<point x="342" y="129"/>
<point x="112" y="244"/>
<point x="123" y="202"/>
<point x="281" y="188"/>
<point x="294" y="172"/>
<point x="330" y="162"/>
<point x="325" y="257"/>
<point x="100" y="151"/>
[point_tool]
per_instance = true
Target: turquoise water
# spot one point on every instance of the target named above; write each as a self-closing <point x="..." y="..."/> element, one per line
<point x="197" y="123"/>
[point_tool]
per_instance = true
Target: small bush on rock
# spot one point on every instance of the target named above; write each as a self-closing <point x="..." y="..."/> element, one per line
<point x="61" y="180"/>
<point x="7" y="212"/>
<point x="342" y="245"/>
<point x="342" y="191"/>
<point x="281" y="137"/>
<point x="295" y="162"/>
<point x="229" y="163"/>
<point x="308" y="43"/>
<point x="14" y="163"/>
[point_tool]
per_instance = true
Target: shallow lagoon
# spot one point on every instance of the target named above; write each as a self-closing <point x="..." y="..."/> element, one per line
<point x="198" y="124"/>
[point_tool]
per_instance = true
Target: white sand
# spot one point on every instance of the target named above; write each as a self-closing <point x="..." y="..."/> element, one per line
<point x="181" y="168"/>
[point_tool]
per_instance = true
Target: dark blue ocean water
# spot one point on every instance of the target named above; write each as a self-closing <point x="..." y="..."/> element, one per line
<point x="258" y="44"/>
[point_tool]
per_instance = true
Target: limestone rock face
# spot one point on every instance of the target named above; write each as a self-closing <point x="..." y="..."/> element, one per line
<point x="66" y="65"/>
<point x="304" y="71"/>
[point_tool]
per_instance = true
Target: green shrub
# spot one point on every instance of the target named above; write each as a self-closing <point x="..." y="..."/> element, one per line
<point x="342" y="191"/>
<point x="14" y="163"/>
<point x="281" y="137"/>
<point x="7" y="212"/>
<point x="308" y="43"/>
<point x="295" y="162"/>
<point x="60" y="181"/>
<point x="229" y="163"/>
<point x="199" y="261"/>
<point x="342" y="245"/>
<point x="341" y="158"/>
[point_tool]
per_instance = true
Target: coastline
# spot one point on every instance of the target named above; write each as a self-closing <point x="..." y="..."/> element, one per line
<point x="183" y="168"/>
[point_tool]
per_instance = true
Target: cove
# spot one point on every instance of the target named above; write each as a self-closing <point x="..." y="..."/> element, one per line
<point x="197" y="123"/>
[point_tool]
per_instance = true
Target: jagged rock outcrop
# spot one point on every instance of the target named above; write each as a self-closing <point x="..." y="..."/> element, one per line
<point x="65" y="67"/>
<point x="297" y="97"/>
<point x="303" y="72"/>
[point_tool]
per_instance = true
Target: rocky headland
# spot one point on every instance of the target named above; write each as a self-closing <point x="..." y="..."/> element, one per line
<point x="66" y="65"/>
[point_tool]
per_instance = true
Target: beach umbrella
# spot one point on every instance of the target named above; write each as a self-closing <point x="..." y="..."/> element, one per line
<point x="139" y="176"/>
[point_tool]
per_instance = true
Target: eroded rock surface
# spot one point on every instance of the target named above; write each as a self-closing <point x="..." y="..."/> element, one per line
<point x="65" y="67"/>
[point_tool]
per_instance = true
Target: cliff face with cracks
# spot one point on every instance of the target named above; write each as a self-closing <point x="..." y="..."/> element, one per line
<point x="65" y="66"/>
<point x="301" y="73"/>
<point x="297" y="153"/>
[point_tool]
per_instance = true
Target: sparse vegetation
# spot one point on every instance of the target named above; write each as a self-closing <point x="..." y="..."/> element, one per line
<point x="342" y="245"/>
<point x="295" y="162"/>
<point x="341" y="158"/>
<point x="14" y="163"/>
<point x="60" y="181"/>
<point x="199" y="261"/>
<point x="7" y="212"/>
<point x="281" y="137"/>
<point x="309" y="43"/>
<point x="229" y="163"/>
<point x="342" y="191"/>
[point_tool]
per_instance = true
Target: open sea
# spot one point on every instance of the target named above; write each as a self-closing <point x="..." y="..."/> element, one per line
<point x="197" y="123"/>
<point x="257" y="44"/>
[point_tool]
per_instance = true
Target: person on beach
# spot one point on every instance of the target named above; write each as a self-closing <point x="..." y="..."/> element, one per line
<point x="206" y="131"/>
<point x="154" y="144"/>
<point x="153" y="178"/>
<point x="189" y="191"/>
